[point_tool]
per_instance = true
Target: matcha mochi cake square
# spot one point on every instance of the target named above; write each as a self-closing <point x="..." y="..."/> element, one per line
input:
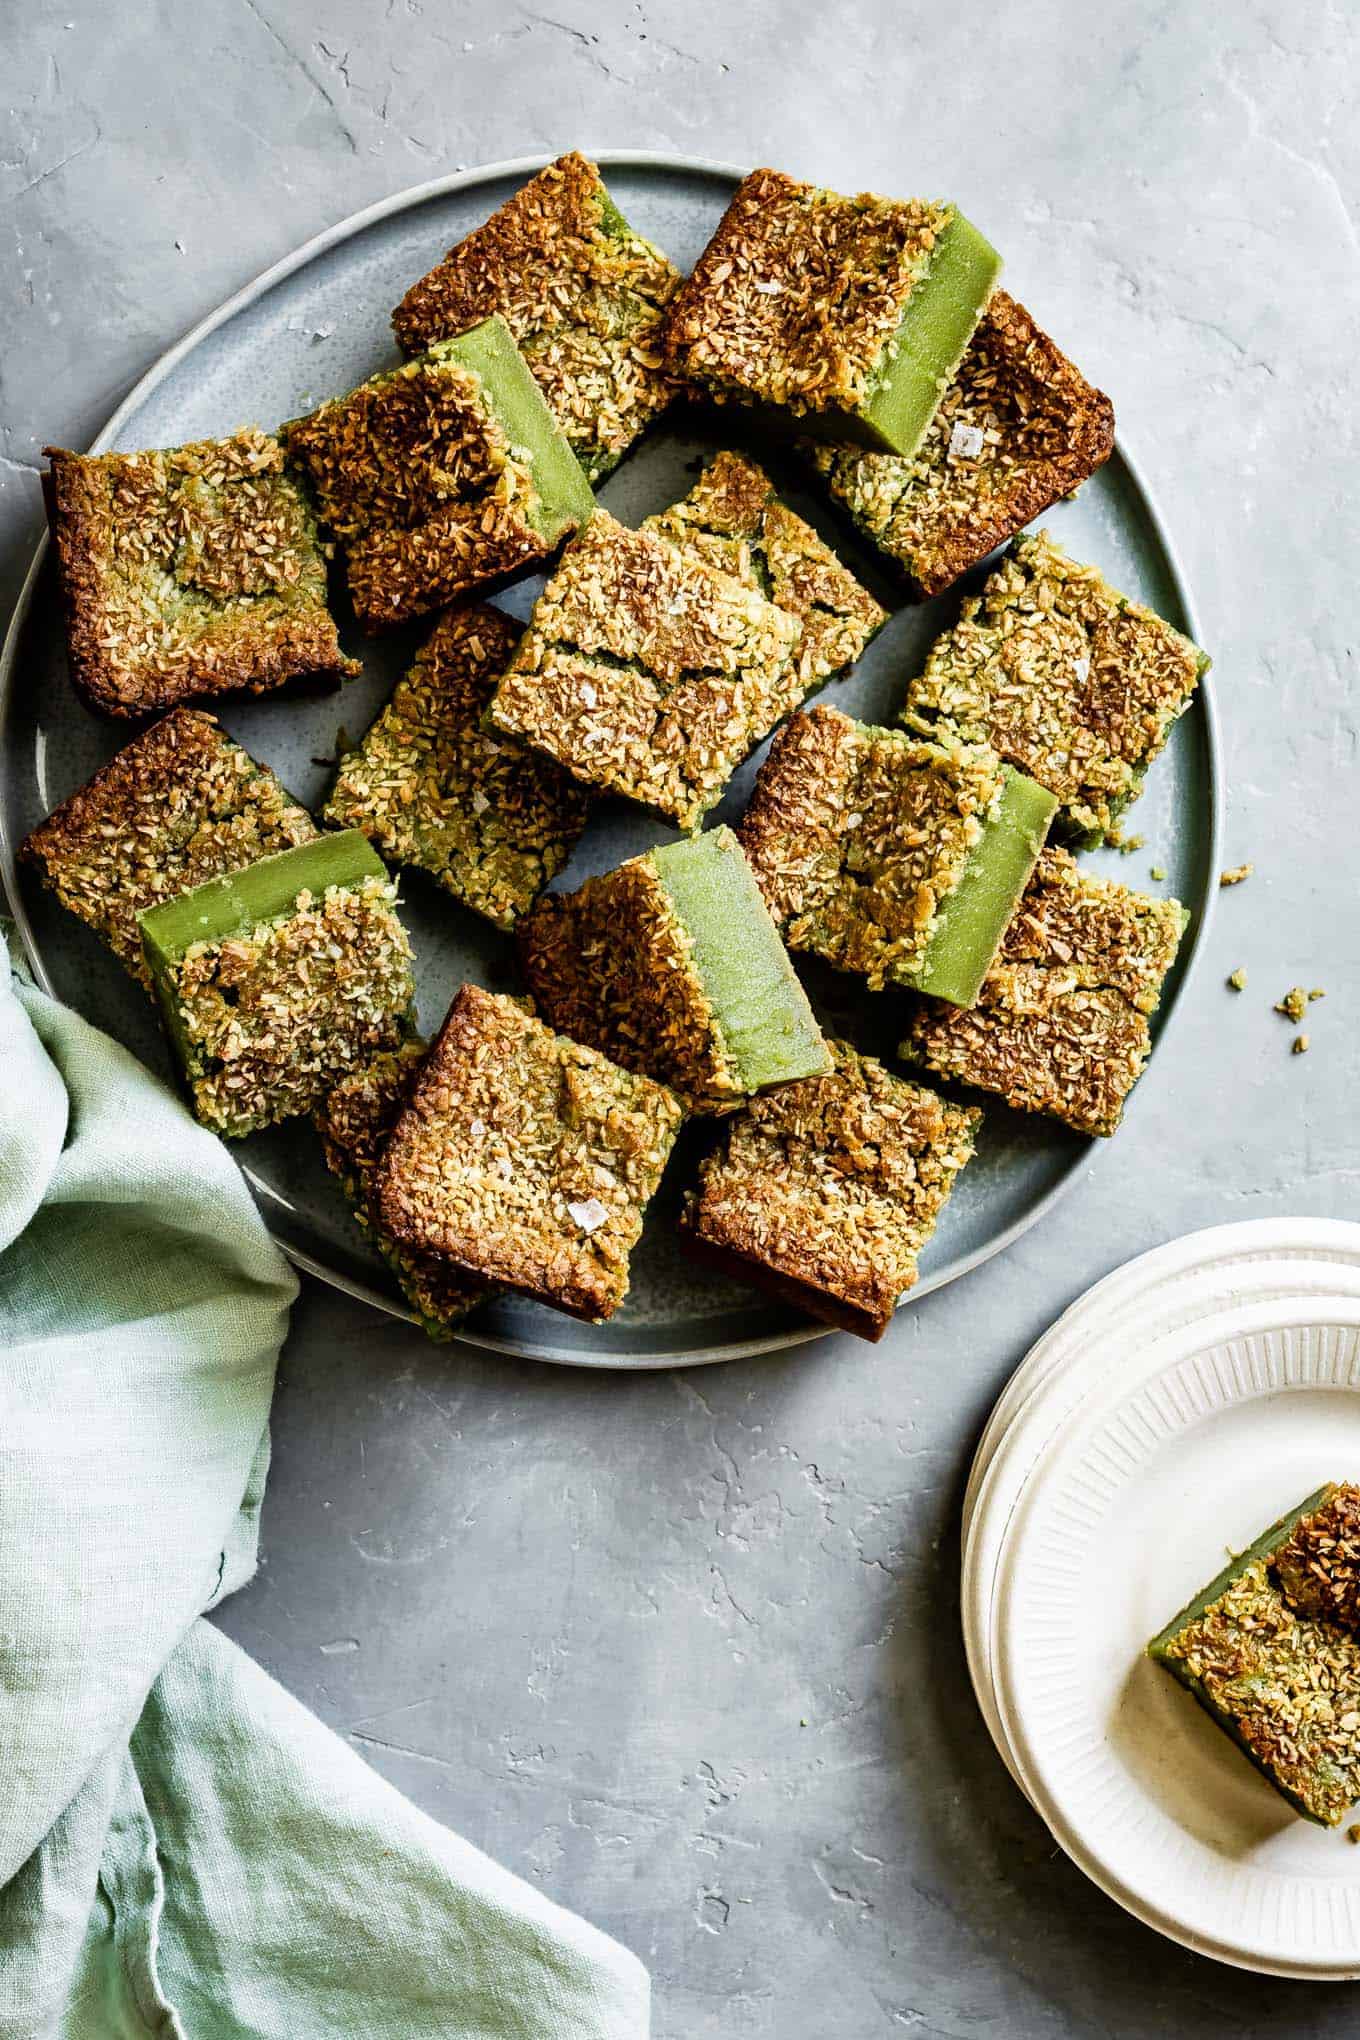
<point x="278" y="979"/>
<point x="733" y="518"/>
<point x="1061" y="1022"/>
<point x="826" y="1191"/>
<point x="1017" y="428"/>
<point x="355" y="1120"/>
<point x="441" y="476"/>
<point x="851" y="314"/>
<point x="1070" y="681"/>
<point x="1269" y="1650"/>
<point x="491" y="821"/>
<point x="525" y="1158"/>
<point x="581" y="292"/>
<point x="188" y="571"/>
<point x="647" y="672"/>
<point x="180" y="804"/>
<point x="671" y="965"/>
<point x="891" y="857"/>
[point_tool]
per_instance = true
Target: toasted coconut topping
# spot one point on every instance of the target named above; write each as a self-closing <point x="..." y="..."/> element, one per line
<point x="1073" y="684"/>
<point x="355" y="1120"/>
<point x="189" y="571"/>
<point x="858" y="835"/>
<point x="1287" y="1683"/>
<point x="1061" y="1022"/>
<point x="509" y="1126"/>
<point x="828" y="1189"/>
<point x="800" y="293"/>
<point x="646" y="672"/>
<point x="492" y="821"/>
<point x="1317" y="1567"/>
<point x="177" y="806"/>
<point x="273" y="1017"/>
<point x="415" y="472"/>
<point x="580" y="291"/>
<point x="1017" y="428"/>
<point x="733" y="518"/>
<point x="613" y="965"/>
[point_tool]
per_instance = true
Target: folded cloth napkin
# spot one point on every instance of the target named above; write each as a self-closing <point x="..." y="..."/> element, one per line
<point x="184" y="1850"/>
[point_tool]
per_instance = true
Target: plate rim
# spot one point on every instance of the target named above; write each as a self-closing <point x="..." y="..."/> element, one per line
<point x="256" y="288"/>
<point x="1221" y="1942"/>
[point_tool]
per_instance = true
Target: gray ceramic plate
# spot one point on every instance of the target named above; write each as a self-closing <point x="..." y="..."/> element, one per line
<point x="318" y="323"/>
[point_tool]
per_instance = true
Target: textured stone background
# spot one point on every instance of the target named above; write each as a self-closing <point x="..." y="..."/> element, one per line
<point x="684" y="1649"/>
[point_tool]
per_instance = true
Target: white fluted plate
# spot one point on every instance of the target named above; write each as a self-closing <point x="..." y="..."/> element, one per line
<point x="1192" y="1443"/>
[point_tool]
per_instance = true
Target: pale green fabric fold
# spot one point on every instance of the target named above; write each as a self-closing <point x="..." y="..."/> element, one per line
<point x="184" y="1850"/>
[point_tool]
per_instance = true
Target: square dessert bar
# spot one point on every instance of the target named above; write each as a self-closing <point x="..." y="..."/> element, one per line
<point x="180" y="804"/>
<point x="894" y="858"/>
<point x="277" y="980"/>
<point x="430" y="786"/>
<point x="672" y="966"/>
<point x="525" y="1158"/>
<point x="1061" y="1022"/>
<point x="441" y="476"/>
<point x="355" y="1120"/>
<point x="188" y="571"/>
<point x="852" y="313"/>
<point x="826" y="1191"/>
<point x="1070" y="681"/>
<point x="647" y="672"/>
<point x="1017" y="428"/>
<point x="580" y="291"/>
<point x="1281" y="1680"/>
<point x="733" y="518"/>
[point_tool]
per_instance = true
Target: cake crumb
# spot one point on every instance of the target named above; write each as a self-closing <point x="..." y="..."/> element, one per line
<point x="1294" y="1004"/>
<point x="1235" y="874"/>
<point x="1318" y="992"/>
<point x="1238" y="980"/>
<point x="1353" y="1834"/>
<point x="1126" y="845"/>
<point x="1156" y="871"/>
<point x="1301" y="1045"/>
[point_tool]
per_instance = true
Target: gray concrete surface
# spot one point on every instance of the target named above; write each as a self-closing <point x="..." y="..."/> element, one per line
<point x="684" y="1649"/>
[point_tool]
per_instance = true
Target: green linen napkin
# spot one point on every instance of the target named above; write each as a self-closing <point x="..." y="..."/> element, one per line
<point x="184" y="1849"/>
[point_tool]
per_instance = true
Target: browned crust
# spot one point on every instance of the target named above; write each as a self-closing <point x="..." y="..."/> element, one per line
<point x="1061" y="1022"/>
<point x="178" y="805"/>
<point x="255" y="658"/>
<point x="825" y="1190"/>
<point x="508" y="264"/>
<point x="648" y="673"/>
<point x="611" y="966"/>
<point x="414" y="471"/>
<point x="509" y="1127"/>
<point x="1318" y="1565"/>
<point x="798" y="293"/>
<point x="1104" y="931"/>
<point x="733" y="517"/>
<point x="1055" y="429"/>
<point x="429" y="785"/>
<point x="813" y="1297"/>
<point x="583" y="303"/>
<point x="396" y="576"/>
<point x="856" y="837"/>
<point x="1040" y="383"/>
<point x="355" y="1121"/>
<point x="1073" y="684"/>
